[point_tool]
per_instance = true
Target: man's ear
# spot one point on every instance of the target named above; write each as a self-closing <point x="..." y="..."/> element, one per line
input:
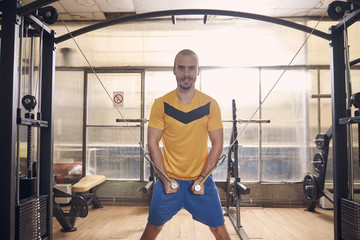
<point x="174" y="70"/>
<point x="199" y="69"/>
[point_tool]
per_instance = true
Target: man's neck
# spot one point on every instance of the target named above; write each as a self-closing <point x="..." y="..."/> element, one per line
<point x="185" y="96"/>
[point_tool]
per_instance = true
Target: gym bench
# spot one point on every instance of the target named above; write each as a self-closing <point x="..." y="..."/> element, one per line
<point x="83" y="195"/>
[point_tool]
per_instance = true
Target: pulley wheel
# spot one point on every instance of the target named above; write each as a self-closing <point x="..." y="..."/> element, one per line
<point x="337" y="9"/>
<point x="49" y="14"/>
<point x="29" y="102"/>
<point x="311" y="187"/>
<point x="355" y="100"/>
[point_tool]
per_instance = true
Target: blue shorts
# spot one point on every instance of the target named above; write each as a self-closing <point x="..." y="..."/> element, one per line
<point x="204" y="208"/>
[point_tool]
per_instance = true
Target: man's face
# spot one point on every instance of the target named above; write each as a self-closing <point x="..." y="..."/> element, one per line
<point x="186" y="70"/>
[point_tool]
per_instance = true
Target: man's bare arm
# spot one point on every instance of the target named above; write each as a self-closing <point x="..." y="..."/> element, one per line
<point x="154" y="137"/>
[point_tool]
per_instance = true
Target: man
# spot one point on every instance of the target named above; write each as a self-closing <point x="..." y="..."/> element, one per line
<point x="184" y="119"/>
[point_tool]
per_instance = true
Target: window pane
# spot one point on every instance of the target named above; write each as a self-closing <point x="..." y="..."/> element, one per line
<point x="101" y="109"/>
<point x="68" y="122"/>
<point x="284" y="139"/>
<point x="112" y="147"/>
<point x="242" y="85"/>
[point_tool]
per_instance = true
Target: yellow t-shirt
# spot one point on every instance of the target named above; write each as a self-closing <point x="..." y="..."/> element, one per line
<point x="185" y="132"/>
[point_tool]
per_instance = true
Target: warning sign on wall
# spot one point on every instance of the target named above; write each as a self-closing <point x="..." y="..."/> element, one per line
<point x="118" y="98"/>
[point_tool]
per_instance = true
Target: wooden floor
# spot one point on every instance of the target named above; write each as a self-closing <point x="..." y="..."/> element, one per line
<point x="124" y="222"/>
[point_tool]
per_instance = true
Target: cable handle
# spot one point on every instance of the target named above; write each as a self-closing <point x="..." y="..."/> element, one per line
<point x="219" y="162"/>
<point x="173" y="185"/>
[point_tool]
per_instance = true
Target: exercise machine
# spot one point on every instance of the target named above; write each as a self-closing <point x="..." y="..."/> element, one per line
<point x="26" y="211"/>
<point x="84" y="195"/>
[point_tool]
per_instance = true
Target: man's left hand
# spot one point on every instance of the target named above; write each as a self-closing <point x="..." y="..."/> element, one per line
<point x="197" y="182"/>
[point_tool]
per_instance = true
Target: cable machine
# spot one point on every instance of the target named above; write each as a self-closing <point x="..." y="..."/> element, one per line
<point x="26" y="208"/>
<point x="340" y="131"/>
<point x="346" y="209"/>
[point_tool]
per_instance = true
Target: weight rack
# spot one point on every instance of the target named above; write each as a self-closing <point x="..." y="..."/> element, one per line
<point x="234" y="188"/>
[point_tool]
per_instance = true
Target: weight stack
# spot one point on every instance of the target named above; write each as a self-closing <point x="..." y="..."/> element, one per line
<point x="31" y="219"/>
<point x="350" y="219"/>
<point x="27" y="188"/>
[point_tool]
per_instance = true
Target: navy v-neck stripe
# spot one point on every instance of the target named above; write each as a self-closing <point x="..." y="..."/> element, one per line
<point x="187" y="117"/>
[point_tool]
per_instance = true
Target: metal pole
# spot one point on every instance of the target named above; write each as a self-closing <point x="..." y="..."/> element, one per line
<point x="348" y="114"/>
<point x="19" y="111"/>
<point x="8" y="91"/>
<point x="142" y="130"/>
<point x="47" y="134"/>
<point x="340" y="170"/>
<point x="260" y="130"/>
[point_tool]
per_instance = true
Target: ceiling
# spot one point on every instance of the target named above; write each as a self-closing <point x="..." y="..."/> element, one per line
<point x="89" y="10"/>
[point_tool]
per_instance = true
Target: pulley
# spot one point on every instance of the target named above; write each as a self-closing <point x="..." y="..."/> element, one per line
<point x="29" y="102"/>
<point x="311" y="187"/>
<point x="355" y="100"/>
<point x="337" y="9"/>
<point x="49" y="14"/>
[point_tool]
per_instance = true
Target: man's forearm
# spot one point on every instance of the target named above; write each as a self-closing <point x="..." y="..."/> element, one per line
<point x="157" y="158"/>
<point x="211" y="161"/>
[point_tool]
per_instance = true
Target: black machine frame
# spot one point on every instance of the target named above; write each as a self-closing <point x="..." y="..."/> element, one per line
<point x="339" y="111"/>
<point x="11" y="13"/>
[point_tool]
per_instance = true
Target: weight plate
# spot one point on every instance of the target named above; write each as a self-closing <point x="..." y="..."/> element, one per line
<point x="311" y="187"/>
<point x="319" y="162"/>
<point x="321" y="141"/>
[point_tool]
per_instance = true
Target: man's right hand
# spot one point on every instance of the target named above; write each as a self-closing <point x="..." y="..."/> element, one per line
<point x="167" y="187"/>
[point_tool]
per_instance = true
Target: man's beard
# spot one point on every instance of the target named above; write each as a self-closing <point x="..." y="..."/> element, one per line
<point x="186" y="87"/>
